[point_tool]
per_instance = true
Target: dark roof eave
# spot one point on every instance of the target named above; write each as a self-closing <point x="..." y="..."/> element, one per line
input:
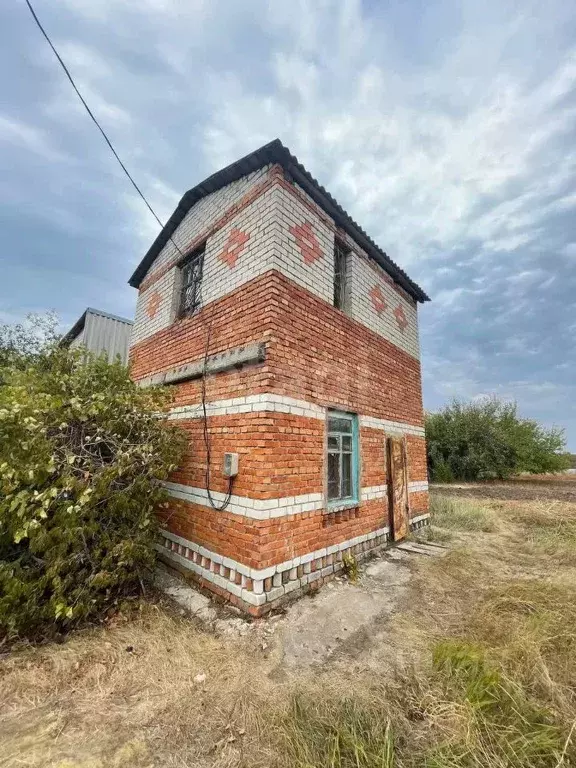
<point x="75" y="330"/>
<point x="276" y="152"/>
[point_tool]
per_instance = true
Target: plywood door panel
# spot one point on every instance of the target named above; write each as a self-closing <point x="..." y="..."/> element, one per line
<point x="397" y="487"/>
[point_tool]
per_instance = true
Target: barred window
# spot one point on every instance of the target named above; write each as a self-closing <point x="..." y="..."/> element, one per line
<point x="341" y="262"/>
<point x="191" y="281"/>
<point x="342" y="459"/>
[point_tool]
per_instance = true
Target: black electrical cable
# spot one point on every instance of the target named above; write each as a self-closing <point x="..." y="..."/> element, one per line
<point x="208" y="326"/>
<point x="96" y="123"/>
<point x="228" y="496"/>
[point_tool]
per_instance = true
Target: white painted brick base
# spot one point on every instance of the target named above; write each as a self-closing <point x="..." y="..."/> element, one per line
<point x="258" y="587"/>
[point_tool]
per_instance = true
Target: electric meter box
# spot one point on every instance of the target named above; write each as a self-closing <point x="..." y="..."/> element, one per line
<point x="230" y="464"/>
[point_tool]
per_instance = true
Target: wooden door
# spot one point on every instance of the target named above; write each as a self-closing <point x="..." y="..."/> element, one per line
<point x="397" y="487"/>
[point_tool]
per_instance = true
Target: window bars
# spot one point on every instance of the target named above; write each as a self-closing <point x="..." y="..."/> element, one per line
<point x="191" y="276"/>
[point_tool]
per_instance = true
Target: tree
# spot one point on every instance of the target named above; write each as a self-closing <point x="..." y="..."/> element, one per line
<point x="23" y="342"/>
<point x="83" y="452"/>
<point x="487" y="440"/>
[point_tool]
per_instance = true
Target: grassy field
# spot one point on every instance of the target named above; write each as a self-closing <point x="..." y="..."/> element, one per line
<point x="488" y="677"/>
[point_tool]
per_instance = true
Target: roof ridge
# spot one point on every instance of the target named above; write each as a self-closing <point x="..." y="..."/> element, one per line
<point x="276" y="152"/>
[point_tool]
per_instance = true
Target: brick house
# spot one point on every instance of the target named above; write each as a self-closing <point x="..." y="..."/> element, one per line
<point x="303" y="334"/>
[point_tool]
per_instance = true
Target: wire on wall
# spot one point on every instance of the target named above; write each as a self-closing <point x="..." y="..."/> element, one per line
<point x="207" y="324"/>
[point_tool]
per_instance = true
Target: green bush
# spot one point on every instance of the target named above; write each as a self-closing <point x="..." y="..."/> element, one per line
<point x="487" y="440"/>
<point x="82" y="450"/>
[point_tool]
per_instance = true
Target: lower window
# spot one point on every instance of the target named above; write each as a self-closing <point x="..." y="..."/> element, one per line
<point x="342" y="459"/>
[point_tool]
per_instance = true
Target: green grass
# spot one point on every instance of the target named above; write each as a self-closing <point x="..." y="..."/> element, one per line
<point x="460" y="514"/>
<point x="344" y="733"/>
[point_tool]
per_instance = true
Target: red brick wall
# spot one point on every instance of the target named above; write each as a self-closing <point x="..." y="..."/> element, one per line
<point x="279" y="454"/>
<point x="319" y="354"/>
<point x="261" y="543"/>
<point x="313" y="353"/>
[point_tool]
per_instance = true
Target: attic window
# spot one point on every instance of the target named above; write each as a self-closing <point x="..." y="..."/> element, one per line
<point x="191" y="281"/>
<point x="341" y="265"/>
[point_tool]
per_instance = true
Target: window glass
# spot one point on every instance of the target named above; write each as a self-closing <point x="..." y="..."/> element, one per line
<point x="337" y="424"/>
<point x="342" y="458"/>
<point x="333" y="476"/>
<point x="340" y="275"/>
<point x="346" y="475"/>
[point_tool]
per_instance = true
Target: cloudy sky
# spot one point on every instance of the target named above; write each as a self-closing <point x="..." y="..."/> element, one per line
<point x="447" y="129"/>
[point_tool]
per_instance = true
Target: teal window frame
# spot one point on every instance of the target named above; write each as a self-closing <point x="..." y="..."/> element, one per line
<point x="338" y="435"/>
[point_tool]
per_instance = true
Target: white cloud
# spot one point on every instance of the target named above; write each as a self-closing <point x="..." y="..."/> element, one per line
<point x="412" y="156"/>
<point x="28" y="137"/>
<point x="446" y="131"/>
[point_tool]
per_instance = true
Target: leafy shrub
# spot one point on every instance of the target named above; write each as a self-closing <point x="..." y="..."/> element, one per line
<point x="487" y="440"/>
<point x="82" y="450"/>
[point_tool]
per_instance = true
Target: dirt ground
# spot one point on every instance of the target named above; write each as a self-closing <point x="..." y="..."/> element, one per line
<point x="182" y="686"/>
<point x="533" y="488"/>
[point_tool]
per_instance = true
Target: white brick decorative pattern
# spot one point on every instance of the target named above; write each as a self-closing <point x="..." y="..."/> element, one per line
<point x="280" y="229"/>
<point x="317" y="275"/>
<point x="206" y="211"/>
<point x="283" y="578"/>
<point x="375" y="303"/>
<point x="282" y="404"/>
<point x="256" y="220"/>
<point x="260" y="586"/>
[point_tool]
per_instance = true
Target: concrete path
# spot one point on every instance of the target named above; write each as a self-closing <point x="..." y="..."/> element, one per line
<point x="336" y="621"/>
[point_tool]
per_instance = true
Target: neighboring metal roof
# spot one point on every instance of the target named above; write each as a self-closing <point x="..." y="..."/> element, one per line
<point x="81" y="322"/>
<point x="276" y="152"/>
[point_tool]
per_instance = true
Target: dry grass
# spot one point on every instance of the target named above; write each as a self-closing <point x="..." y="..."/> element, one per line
<point x="491" y="680"/>
<point x="549" y="529"/>
<point x="494" y="680"/>
<point x="461" y="514"/>
<point x="127" y="696"/>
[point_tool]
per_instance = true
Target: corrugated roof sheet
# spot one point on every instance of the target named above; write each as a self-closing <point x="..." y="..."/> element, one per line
<point x="276" y="152"/>
<point x="81" y="322"/>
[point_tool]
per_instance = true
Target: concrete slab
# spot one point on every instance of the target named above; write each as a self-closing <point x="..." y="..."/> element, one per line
<point x="336" y="624"/>
<point x="339" y="620"/>
<point x="188" y="598"/>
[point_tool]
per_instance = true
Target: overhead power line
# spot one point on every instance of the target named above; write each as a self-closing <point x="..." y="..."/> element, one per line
<point x="95" y="121"/>
<point x="208" y="325"/>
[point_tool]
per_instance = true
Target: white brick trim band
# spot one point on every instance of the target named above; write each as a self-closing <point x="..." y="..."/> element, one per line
<point x="258" y="509"/>
<point x="419" y="518"/>
<point x="418" y="486"/>
<point x="251" y="404"/>
<point x="266" y="509"/>
<point x="272" y="402"/>
<point x="391" y="427"/>
<point x="373" y="492"/>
